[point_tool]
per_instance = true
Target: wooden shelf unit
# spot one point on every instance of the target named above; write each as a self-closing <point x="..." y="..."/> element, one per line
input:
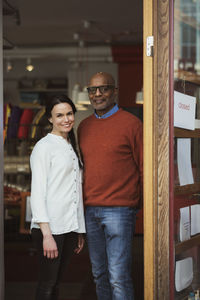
<point x="187" y="189"/>
<point x="183" y="246"/>
<point x="187" y="76"/>
<point x="192" y="192"/>
<point x="185" y="133"/>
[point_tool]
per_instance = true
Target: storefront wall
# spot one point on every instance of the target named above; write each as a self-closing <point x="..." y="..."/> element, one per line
<point x="159" y="208"/>
<point x="173" y="66"/>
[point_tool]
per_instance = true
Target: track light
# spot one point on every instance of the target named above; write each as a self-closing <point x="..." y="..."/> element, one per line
<point x="29" y="65"/>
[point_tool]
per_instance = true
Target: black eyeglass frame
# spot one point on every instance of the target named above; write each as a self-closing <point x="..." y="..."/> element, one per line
<point x="93" y="89"/>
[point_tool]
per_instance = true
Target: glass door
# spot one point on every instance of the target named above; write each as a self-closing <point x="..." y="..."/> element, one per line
<point x="156" y="148"/>
<point x="186" y="151"/>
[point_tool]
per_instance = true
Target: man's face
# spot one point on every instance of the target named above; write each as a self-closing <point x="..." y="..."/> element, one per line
<point x="102" y="99"/>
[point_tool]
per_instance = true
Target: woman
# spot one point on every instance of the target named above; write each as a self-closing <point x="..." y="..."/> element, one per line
<point x="56" y="197"/>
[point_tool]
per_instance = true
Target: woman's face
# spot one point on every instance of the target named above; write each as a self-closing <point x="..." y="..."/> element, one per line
<point x="62" y="119"/>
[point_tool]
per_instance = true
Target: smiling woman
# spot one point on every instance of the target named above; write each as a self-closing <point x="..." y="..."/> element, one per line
<point x="56" y="197"/>
<point x="62" y="119"/>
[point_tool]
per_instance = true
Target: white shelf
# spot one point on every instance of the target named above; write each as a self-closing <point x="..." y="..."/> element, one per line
<point x="43" y="90"/>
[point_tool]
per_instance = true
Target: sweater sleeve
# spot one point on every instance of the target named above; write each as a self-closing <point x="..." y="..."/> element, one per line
<point x="40" y="166"/>
<point x="137" y="149"/>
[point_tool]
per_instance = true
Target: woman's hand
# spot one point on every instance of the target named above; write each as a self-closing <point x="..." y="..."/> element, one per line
<point x="81" y="242"/>
<point x="50" y="247"/>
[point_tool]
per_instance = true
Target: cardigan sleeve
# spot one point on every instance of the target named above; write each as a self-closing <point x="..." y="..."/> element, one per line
<point x="40" y="166"/>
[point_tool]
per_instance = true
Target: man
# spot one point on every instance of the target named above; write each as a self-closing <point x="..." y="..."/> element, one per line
<point x="111" y="148"/>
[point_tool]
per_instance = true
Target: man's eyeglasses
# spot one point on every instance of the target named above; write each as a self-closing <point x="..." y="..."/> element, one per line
<point x="102" y="89"/>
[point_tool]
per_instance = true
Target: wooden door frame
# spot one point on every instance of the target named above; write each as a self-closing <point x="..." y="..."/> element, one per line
<point x="1" y="162"/>
<point x="156" y="150"/>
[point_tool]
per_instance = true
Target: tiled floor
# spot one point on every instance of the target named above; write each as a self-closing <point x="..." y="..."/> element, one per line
<point x="21" y="273"/>
<point x="26" y="291"/>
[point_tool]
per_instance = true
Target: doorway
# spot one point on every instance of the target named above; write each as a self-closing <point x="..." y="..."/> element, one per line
<point x="124" y="59"/>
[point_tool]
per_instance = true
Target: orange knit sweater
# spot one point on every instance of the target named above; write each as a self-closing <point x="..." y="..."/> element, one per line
<point x="112" y="154"/>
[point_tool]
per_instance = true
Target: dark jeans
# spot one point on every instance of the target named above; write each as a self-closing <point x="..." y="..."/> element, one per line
<point x="50" y="270"/>
<point x="110" y="234"/>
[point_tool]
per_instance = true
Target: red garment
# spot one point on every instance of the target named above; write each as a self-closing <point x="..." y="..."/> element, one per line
<point x="25" y="122"/>
<point x="112" y="152"/>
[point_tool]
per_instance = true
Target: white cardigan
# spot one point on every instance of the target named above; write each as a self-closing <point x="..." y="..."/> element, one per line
<point x="56" y="186"/>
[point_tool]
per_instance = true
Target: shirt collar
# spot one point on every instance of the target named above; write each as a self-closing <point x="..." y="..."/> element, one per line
<point x="109" y="113"/>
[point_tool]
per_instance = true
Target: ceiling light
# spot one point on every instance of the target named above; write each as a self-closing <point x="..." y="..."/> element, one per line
<point x="81" y="107"/>
<point x="29" y="65"/>
<point x="76" y="36"/>
<point x="81" y="43"/>
<point x="75" y="91"/>
<point x="86" y="24"/>
<point x="9" y="66"/>
<point x="83" y="97"/>
<point x="108" y="41"/>
<point x="139" y="97"/>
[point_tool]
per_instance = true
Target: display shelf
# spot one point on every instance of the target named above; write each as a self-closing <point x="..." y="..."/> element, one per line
<point x="23" y="228"/>
<point x="17" y="164"/>
<point x="189" y="188"/>
<point x="11" y="203"/>
<point x="187" y="195"/>
<point x="183" y="295"/>
<point x="37" y="96"/>
<point x="43" y="90"/>
<point x="183" y="246"/>
<point x="185" y="133"/>
<point x="24" y="105"/>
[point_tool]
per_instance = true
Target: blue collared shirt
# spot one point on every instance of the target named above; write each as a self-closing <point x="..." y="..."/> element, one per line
<point x="109" y="113"/>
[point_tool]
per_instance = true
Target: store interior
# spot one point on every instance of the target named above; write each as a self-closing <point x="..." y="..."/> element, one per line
<point x="53" y="47"/>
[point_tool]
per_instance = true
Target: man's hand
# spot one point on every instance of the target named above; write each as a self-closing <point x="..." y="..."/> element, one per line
<point x="81" y="242"/>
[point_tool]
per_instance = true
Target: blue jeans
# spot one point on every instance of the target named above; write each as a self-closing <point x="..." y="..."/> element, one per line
<point x="110" y="234"/>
